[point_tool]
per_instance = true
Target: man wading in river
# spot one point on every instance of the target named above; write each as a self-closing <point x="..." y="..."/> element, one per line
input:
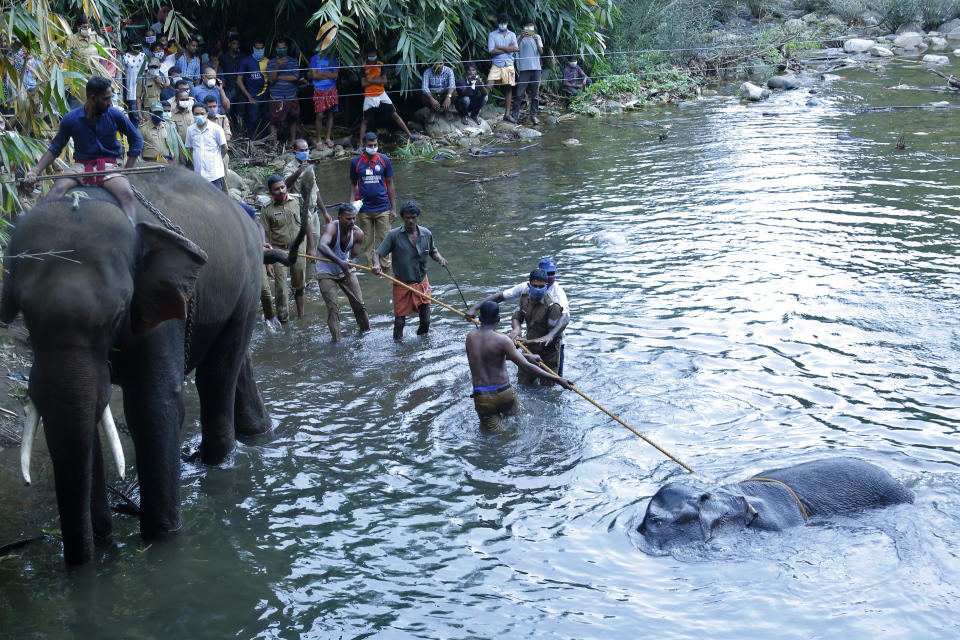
<point x="545" y="323"/>
<point x="409" y="247"/>
<point x="341" y="242"/>
<point x="487" y="351"/>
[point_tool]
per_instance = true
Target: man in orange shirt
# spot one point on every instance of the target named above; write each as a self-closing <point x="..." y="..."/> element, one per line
<point x="376" y="102"/>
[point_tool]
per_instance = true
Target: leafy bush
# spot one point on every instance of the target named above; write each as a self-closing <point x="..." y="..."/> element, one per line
<point x="896" y="13"/>
<point x="933" y="13"/>
<point x="850" y="11"/>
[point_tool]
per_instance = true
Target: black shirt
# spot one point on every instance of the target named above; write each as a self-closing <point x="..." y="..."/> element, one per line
<point x="229" y="65"/>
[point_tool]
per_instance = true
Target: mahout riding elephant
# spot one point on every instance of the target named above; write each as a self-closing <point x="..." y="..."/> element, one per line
<point x="771" y="500"/>
<point x="138" y="306"/>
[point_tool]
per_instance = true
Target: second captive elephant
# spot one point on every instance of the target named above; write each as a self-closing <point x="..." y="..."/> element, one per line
<point x="117" y="310"/>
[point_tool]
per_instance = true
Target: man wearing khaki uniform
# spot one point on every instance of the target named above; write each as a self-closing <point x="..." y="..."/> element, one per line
<point x="281" y="220"/>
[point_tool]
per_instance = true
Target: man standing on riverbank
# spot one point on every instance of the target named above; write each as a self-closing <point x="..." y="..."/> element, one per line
<point x="502" y="44"/>
<point x="371" y="177"/>
<point x="409" y="245"/>
<point x="487" y="351"/>
<point x="529" y="71"/>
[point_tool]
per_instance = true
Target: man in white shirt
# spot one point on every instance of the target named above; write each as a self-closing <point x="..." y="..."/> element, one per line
<point x="208" y="146"/>
<point x="133" y="65"/>
<point x="554" y="290"/>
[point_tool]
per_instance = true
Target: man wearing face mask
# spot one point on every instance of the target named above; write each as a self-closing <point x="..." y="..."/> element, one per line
<point x="160" y="138"/>
<point x="302" y="180"/>
<point x="545" y="321"/>
<point x="502" y="44"/>
<point x="471" y="95"/>
<point x="182" y="113"/>
<point x="437" y="90"/>
<point x="281" y="220"/>
<point x="528" y="71"/>
<point x="574" y="78"/>
<point x="282" y="77"/>
<point x="154" y="83"/>
<point x="86" y="41"/>
<point x="94" y="127"/>
<point x="371" y="179"/>
<point x="134" y="61"/>
<point x="207" y="145"/>
<point x="253" y="85"/>
<point x="211" y="87"/>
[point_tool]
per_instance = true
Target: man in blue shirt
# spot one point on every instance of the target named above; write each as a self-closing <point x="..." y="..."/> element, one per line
<point x="282" y="76"/>
<point x="371" y="175"/>
<point x="189" y="62"/>
<point x="324" y="71"/>
<point x="253" y="85"/>
<point x="94" y="127"/>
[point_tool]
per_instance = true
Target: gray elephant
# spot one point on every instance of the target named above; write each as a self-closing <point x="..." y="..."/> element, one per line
<point x="771" y="500"/>
<point x="137" y="306"/>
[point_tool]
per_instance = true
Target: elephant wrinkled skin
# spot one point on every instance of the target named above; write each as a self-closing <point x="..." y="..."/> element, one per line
<point x="679" y="513"/>
<point x="115" y="312"/>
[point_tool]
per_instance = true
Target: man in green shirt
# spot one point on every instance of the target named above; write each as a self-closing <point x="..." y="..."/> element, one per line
<point x="409" y="247"/>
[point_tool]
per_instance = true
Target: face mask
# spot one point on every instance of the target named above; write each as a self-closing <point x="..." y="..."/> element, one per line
<point x="158" y="55"/>
<point x="372" y="58"/>
<point x="86" y="32"/>
<point x="212" y="111"/>
<point x="528" y="29"/>
<point x="211" y="83"/>
<point x="258" y="54"/>
<point x="281" y="199"/>
<point x="503" y="26"/>
<point x="572" y="64"/>
<point x="537" y="293"/>
<point x="153" y="71"/>
<point x="281" y="53"/>
<point x="301" y="156"/>
<point x="156" y="118"/>
<point x="150" y="39"/>
<point x="200" y="120"/>
<point x="183" y="104"/>
<point x="551" y="280"/>
<point x="371" y="151"/>
<point x="166" y="115"/>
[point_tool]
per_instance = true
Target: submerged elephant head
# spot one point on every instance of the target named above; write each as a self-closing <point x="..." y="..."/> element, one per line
<point x="679" y="513"/>
<point x="93" y="279"/>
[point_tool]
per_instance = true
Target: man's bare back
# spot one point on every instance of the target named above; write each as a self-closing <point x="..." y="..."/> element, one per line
<point x="487" y="352"/>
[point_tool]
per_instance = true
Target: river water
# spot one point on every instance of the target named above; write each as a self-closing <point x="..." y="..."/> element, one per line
<point x="751" y="292"/>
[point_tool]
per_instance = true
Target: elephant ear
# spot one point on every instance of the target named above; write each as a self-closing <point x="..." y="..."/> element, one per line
<point x="166" y="272"/>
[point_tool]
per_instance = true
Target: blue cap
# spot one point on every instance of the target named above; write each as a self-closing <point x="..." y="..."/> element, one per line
<point x="548" y="265"/>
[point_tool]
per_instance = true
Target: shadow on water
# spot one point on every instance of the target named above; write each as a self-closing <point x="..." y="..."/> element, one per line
<point x="752" y="292"/>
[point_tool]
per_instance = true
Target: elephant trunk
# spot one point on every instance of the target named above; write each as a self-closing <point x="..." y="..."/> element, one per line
<point x="70" y="389"/>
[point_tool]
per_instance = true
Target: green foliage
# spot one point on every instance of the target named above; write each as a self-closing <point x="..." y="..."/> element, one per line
<point x="896" y="13"/>
<point x="850" y="11"/>
<point x="933" y="13"/>
<point x="641" y="86"/>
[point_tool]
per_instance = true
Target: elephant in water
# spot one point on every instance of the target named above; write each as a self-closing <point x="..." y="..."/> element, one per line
<point x="772" y="500"/>
<point x="107" y="302"/>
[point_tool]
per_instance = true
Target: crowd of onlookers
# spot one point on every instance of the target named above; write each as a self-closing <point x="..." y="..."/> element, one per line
<point x="255" y="91"/>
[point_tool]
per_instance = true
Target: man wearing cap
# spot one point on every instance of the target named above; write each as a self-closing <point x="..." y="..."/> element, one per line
<point x="154" y="83"/>
<point x="340" y="242"/>
<point x="409" y="246"/>
<point x="371" y="179"/>
<point x="487" y="351"/>
<point x="545" y="321"/>
<point x="160" y="138"/>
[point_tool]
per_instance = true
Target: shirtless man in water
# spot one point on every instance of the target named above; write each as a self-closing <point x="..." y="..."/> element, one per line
<point x="487" y="351"/>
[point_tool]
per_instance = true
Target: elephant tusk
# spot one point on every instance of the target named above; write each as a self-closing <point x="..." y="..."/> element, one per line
<point x="30" y="426"/>
<point x="109" y="430"/>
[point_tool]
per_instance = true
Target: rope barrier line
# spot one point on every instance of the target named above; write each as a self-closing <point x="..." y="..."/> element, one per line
<point x="522" y="346"/>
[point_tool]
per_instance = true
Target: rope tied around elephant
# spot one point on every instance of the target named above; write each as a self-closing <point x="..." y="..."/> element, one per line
<point x="522" y="346"/>
<point x="788" y="488"/>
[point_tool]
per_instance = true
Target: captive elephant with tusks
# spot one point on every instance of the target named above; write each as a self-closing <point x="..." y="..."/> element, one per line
<point x="108" y="302"/>
<point x="771" y="500"/>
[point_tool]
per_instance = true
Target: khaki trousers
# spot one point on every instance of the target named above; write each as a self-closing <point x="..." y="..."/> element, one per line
<point x="329" y="284"/>
<point x="375" y="227"/>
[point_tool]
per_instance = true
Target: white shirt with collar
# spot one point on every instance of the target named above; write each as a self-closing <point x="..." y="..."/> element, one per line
<point x="204" y="145"/>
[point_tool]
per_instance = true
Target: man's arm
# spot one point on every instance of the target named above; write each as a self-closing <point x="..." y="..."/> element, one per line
<point x="134" y="139"/>
<point x="392" y="196"/>
<point x="493" y="297"/>
<point x="272" y="75"/>
<point x="243" y="87"/>
<point x="516" y="324"/>
<point x="224" y="100"/>
<point x="557" y="329"/>
<point x="522" y="362"/>
<point x="293" y="177"/>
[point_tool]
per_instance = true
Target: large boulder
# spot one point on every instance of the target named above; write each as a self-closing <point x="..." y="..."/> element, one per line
<point x="954" y="36"/>
<point x="833" y="22"/>
<point x="908" y="40"/>
<point x="750" y="91"/>
<point x="453" y="129"/>
<point x="908" y="27"/>
<point x="525" y="133"/>
<point x="794" y="24"/>
<point x="858" y="45"/>
<point x="947" y="27"/>
<point x="234" y="181"/>
<point x="937" y="43"/>
<point x="490" y="111"/>
<point x="932" y="59"/>
<point x="810" y="18"/>
<point x="783" y="82"/>
<point x="880" y="52"/>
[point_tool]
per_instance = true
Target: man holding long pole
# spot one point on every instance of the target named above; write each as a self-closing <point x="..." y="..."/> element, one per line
<point x="409" y="247"/>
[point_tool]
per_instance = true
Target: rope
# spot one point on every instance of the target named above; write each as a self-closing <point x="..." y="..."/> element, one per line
<point x="782" y="484"/>
<point x="522" y="346"/>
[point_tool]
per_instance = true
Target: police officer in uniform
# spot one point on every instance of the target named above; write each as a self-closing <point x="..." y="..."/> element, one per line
<point x="281" y="219"/>
<point x="158" y="136"/>
<point x="545" y="320"/>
